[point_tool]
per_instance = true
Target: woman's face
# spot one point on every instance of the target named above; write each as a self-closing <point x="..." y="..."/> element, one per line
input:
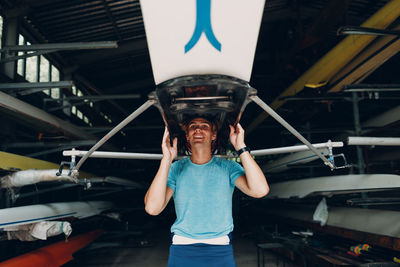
<point x="200" y="131"/>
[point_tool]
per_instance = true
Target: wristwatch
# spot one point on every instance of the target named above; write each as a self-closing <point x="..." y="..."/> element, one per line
<point x="244" y="149"/>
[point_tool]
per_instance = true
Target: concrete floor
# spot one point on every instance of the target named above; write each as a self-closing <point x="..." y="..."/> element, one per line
<point x="154" y="252"/>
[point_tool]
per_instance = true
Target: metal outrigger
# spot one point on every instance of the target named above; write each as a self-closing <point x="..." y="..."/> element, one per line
<point x="285" y="124"/>
<point x="154" y="100"/>
<point x="74" y="169"/>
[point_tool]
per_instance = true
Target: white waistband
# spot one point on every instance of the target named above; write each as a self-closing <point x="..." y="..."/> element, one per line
<point x="181" y="240"/>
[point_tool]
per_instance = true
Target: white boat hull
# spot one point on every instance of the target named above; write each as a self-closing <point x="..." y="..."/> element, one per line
<point x="284" y="163"/>
<point x="331" y="185"/>
<point x="11" y="217"/>
<point x="379" y="222"/>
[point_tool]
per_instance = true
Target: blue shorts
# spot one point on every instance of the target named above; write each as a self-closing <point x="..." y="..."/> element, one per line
<point x="201" y="255"/>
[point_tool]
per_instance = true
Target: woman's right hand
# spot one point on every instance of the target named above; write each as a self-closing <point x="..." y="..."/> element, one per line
<point x="169" y="152"/>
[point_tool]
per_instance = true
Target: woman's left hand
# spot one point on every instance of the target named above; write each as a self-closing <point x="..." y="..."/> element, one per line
<point x="236" y="136"/>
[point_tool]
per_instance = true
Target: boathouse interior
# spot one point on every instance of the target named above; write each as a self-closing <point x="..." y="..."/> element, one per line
<point x="71" y="71"/>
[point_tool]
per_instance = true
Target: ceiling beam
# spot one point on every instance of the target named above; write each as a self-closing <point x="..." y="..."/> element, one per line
<point x="38" y="85"/>
<point x="351" y="46"/>
<point x="368" y="67"/>
<point x="61" y="46"/>
<point x="40" y="119"/>
<point x="132" y="48"/>
<point x="378" y="45"/>
<point x="93" y="88"/>
<point x="95" y="97"/>
<point x="75" y="143"/>
<point x="16" y="12"/>
<point x="331" y="63"/>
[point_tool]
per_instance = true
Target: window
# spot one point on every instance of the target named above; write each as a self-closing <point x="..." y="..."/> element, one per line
<point x="1" y="28"/>
<point x="21" y="62"/>
<point x="31" y="69"/>
<point x="44" y="70"/>
<point x="79" y="114"/>
<point x="106" y="117"/>
<point x="38" y="69"/>
<point x="75" y="91"/>
<point x="55" y="93"/>
<point x="55" y="74"/>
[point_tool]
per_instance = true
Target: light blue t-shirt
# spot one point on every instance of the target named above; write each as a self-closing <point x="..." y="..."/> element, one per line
<point x="203" y="197"/>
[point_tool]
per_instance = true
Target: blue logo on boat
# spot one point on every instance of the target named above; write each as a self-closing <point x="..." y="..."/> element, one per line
<point x="203" y="24"/>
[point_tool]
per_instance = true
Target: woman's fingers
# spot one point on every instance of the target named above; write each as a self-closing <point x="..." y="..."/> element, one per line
<point x="232" y="129"/>
<point x="166" y="145"/>
<point x="232" y="135"/>
<point x="168" y="150"/>
<point x="166" y="133"/>
<point x="240" y="128"/>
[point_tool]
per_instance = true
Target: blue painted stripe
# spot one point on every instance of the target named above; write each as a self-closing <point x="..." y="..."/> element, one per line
<point x="39" y="219"/>
<point x="203" y="24"/>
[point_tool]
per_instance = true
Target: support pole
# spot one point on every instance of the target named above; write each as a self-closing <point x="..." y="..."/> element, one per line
<point x="116" y="129"/>
<point x="20" y="87"/>
<point x="275" y="115"/>
<point x="308" y="126"/>
<point x="113" y="155"/>
<point x="372" y="141"/>
<point x="148" y="156"/>
<point x="41" y="49"/>
<point x="61" y="46"/>
<point x="291" y="149"/>
<point x="358" y="131"/>
<point x="10" y="38"/>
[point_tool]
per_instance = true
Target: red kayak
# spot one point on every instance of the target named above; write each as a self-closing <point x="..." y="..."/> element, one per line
<point x="53" y="255"/>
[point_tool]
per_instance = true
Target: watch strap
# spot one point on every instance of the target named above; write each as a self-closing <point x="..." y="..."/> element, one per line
<point x="243" y="149"/>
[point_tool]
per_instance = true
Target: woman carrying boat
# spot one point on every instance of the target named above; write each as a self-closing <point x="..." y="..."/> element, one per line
<point x="202" y="186"/>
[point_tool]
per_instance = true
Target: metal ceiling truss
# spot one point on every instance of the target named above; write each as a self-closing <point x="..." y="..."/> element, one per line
<point x="362" y="71"/>
<point x="354" y="30"/>
<point x="330" y="64"/>
<point x="366" y="54"/>
<point x="30" y="88"/>
<point x="34" y="114"/>
<point x="51" y="48"/>
<point x="48" y="144"/>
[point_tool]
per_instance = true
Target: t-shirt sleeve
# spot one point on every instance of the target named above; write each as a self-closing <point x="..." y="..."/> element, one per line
<point x="171" y="182"/>
<point x="236" y="170"/>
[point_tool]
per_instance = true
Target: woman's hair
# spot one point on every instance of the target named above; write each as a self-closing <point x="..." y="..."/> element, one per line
<point x="220" y="145"/>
